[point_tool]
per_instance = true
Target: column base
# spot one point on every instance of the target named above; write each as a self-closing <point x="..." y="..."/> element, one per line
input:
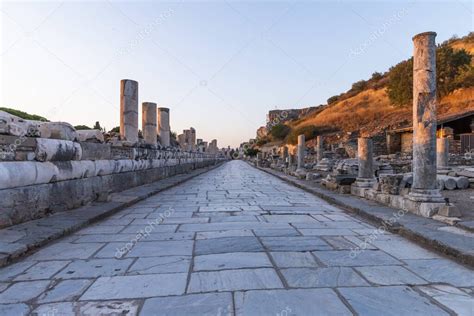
<point x="365" y="182"/>
<point x="425" y="195"/>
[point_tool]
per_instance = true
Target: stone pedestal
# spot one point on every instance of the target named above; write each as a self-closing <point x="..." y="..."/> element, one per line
<point x="442" y="153"/>
<point x="149" y="122"/>
<point x="424" y="188"/>
<point x="300" y="153"/>
<point x="319" y="148"/>
<point x="366" y="163"/>
<point x="129" y="110"/>
<point x="164" y="126"/>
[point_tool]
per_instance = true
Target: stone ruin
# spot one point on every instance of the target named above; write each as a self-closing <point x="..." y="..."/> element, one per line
<point x="407" y="181"/>
<point x="46" y="167"/>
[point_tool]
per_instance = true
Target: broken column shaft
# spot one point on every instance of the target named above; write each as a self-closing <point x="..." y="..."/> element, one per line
<point x="424" y="187"/>
<point x="164" y="126"/>
<point x="129" y="110"/>
<point x="301" y="147"/>
<point x="149" y="122"/>
<point x="319" y="148"/>
<point x="442" y="152"/>
<point x="366" y="162"/>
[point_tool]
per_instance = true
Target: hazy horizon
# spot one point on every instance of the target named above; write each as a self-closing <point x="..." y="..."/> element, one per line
<point x="219" y="66"/>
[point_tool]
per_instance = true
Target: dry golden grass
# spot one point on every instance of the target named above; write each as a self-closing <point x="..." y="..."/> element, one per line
<point x="370" y="112"/>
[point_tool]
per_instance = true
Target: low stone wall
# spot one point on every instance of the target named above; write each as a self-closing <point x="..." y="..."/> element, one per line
<point x="31" y="189"/>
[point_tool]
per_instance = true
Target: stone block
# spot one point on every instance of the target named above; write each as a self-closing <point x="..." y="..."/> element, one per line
<point x="449" y="210"/>
<point x="90" y="135"/>
<point x="56" y="150"/>
<point x="95" y="151"/>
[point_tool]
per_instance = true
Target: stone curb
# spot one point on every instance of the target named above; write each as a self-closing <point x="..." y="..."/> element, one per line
<point x="424" y="231"/>
<point x="37" y="233"/>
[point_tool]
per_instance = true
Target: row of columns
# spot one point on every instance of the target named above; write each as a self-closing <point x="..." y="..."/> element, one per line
<point x="155" y="121"/>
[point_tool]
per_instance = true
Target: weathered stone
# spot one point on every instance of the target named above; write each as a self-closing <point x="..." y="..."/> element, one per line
<point x="390" y="184"/>
<point x="56" y="130"/>
<point x="120" y="287"/>
<point x="194" y="304"/>
<point x="57" y="150"/>
<point x="234" y="280"/>
<point x="129" y="110"/>
<point x="389" y="300"/>
<point x="149" y="121"/>
<point x="449" y="210"/>
<point x="290" y="302"/>
<point x="301" y="151"/>
<point x="164" y="126"/>
<point x="234" y="260"/>
<point x="424" y="119"/>
<point x="366" y="163"/>
<point x="90" y="135"/>
<point x="442" y="153"/>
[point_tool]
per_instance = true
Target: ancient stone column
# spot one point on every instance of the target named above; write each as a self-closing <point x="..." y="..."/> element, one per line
<point x="442" y="152"/>
<point x="424" y="187"/>
<point x="164" y="126"/>
<point x="365" y="149"/>
<point x="149" y="122"/>
<point x="319" y="148"/>
<point x="284" y="154"/>
<point x="300" y="153"/>
<point x="129" y="110"/>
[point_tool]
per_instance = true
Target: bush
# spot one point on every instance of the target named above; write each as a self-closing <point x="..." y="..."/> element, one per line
<point x="376" y="76"/>
<point x="333" y="99"/>
<point x="309" y="131"/>
<point x="81" y="127"/>
<point x="358" y="86"/>
<point x="449" y="65"/>
<point x="279" y="131"/>
<point x="251" y="152"/>
<point x="115" y="130"/>
<point x="400" y="84"/>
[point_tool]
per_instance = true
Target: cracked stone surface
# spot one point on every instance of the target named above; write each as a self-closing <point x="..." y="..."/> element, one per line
<point x="234" y="241"/>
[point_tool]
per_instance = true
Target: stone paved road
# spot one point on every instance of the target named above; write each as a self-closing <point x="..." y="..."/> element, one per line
<point x="235" y="241"/>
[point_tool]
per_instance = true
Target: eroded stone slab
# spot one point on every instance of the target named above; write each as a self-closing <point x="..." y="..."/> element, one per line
<point x="211" y="304"/>
<point x="390" y="275"/>
<point x="456" y="300"/>
<point x="136" y="286"/>
<point x="66" y="290"/>
<point x="234" y="280"/>
<point x="154" y="265"/>
<point x="94" y="268"/>
<point x="389" y="300"/>
<point x="290" y="302"/>
<point x="294" y="259"/>
<point x="295" y="243"/>
<point x="227" y="244"/>
<point x="348" y="258"/>
<point x="322" y="277"/>
<point x="23" y="291"/>
<point x="234" y="260"/>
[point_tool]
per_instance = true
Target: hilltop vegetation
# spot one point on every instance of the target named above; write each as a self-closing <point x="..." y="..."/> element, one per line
<point x="384" y="101"/>
<point x="24" y="115"/>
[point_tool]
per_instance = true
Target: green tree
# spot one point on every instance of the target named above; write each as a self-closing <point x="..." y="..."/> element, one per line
<point x="24" y="115"/>
<point x="400" y="85"/>
<point x="279" y="131"/>
<point x="97" y="126"/>
<point x="449" y="65"/>
<point x="251" y="152"/>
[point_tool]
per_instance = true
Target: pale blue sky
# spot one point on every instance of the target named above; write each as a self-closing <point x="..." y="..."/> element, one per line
<point x="219" y="66"/>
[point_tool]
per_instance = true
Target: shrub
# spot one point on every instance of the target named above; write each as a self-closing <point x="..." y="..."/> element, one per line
<point x="81" y="127"/>
<point x="279" y="131"/>
<point x="333" y="99"/>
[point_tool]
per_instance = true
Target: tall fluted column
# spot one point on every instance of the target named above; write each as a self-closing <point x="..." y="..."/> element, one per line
<point x="164" y="126"/>
<point x="129" y="110"/>
<point x="365" y="149"/>
<point x="424" y="119"/>
<point x="149" y="122"/>
<point x="301" y="147"/>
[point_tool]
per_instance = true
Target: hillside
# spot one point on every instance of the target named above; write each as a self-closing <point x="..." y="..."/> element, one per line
<point x="367" y="108"/>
